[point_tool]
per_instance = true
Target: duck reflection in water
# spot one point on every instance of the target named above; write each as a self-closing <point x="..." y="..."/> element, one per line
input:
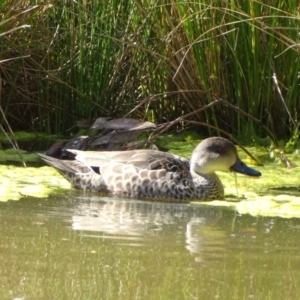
<point x="137" y="223"/>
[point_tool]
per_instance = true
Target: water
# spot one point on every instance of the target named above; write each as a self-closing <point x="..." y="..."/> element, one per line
<point x="77" y="246"/>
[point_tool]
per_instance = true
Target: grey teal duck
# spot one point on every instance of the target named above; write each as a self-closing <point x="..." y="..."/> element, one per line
<point x="154" y="174"/>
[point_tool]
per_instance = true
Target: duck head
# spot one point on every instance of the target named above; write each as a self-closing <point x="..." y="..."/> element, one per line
<point x="218" y="154"/>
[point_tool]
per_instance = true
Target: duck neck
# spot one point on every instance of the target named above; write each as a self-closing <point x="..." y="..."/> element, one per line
<point x="208" y="186"/>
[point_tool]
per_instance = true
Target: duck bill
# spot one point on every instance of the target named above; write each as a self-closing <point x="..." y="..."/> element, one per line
<point x="242" y="168"/>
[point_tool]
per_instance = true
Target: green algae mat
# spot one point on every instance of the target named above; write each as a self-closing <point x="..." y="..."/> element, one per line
<point x="275" y="193"/>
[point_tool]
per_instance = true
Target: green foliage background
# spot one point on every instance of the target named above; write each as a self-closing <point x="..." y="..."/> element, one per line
<point x="61" y="61"/>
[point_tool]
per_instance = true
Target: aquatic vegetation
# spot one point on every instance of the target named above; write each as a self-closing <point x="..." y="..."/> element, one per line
<point x="17" y="182"/>
<point x="10" y="155"/>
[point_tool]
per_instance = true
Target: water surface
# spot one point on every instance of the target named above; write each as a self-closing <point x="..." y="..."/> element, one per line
<point x="81" y="246"/>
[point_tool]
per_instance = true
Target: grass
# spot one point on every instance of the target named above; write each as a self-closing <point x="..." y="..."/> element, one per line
<point x="152" y="61"/>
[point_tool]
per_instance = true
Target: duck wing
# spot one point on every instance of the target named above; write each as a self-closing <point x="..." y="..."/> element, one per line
<point x="143" y="159"/>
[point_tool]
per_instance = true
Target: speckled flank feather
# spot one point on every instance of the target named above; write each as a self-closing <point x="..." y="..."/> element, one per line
<point x="152" y="174"/>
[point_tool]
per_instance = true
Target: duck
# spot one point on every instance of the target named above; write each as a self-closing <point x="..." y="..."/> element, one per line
<point x="153" y="174"/>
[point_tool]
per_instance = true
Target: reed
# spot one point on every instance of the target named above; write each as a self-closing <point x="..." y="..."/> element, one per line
<point x="84" y="59"/>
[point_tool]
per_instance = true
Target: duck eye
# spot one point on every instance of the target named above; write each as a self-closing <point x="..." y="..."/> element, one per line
<point x="220" y="150"/>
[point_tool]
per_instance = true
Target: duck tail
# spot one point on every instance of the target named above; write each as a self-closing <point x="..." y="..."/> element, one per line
<point x="65" y="167"/>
